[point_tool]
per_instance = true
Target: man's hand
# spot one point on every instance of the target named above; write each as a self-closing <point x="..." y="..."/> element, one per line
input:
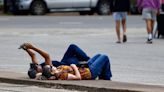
<point x="29" y="46"/>
<point x="158" y="12"/>
<point x="22" y="47"/>
<point x="26" y="46"/>
<point x="73" y="65"/>
<point x="76" y="76"/>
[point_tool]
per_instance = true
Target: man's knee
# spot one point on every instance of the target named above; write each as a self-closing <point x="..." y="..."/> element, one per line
<point x="105" y="57"/>
<point x="73" y="46"/>
<point x="98" y="55"/>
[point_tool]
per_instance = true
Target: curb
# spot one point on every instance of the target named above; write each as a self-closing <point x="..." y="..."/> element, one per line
<point x="46" y="84"/>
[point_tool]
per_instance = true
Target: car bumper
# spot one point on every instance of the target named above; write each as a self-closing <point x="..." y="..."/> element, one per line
<point x="23" y="4"/>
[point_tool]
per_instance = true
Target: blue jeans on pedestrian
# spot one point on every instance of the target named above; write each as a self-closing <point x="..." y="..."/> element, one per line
<point x="73" y="55"/>
<point x="99" y="66"/>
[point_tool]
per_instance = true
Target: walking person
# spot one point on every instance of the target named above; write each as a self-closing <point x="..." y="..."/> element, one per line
<point x="162" y="5"/>
<point x="120" y="9"/>
<point x="150" y="9"/>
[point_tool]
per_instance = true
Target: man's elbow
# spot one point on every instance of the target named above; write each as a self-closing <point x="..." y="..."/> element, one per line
<point x="77" y="78"/>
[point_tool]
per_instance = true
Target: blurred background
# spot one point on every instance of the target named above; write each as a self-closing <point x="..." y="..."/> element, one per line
<point x="42" y="7"/>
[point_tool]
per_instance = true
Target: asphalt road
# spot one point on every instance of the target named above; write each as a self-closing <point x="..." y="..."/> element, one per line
<point x="134" y="61"/>
<point x="83" y="22"/>
<point x="4" y="87"/>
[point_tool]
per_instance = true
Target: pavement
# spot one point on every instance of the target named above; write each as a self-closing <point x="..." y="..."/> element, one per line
<point x="82" y="85"/>
<point x="136" y="66"/>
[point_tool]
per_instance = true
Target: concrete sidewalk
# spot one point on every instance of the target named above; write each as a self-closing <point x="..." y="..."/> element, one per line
<point x="83" y="85"/>
<point x="134" y="61"/>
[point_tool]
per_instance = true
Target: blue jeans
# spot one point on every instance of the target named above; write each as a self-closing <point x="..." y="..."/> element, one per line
<point x="73" y="55"/>
<point x="99" y="66"/>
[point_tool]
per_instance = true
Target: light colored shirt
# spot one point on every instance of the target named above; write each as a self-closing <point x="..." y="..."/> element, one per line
<point x="151" y="4"/>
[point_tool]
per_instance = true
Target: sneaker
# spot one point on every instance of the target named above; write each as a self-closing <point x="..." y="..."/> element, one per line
<point x="149" y="41"/>
<point x="124" y="38"/>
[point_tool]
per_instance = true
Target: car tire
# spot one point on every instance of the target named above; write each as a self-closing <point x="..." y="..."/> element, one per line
<point x="103" y="7"/>
<point x="38" y="8"/>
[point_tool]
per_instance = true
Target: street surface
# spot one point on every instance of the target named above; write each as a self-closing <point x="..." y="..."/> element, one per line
<point x="81" y="22"/>
<point x="134" y="61"/>
<point x="4" y="87"/>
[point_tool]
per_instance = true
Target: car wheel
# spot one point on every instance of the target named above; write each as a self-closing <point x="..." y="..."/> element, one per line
<point x="38" y="8"/>
<point x="103" y="7"/>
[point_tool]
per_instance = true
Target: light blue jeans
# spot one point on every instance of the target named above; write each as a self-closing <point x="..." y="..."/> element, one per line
<point x="99" y="66"/>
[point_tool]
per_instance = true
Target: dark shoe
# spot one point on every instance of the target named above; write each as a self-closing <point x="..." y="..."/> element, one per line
<point x="124" y="38"/>
<point x="149" y="41"/>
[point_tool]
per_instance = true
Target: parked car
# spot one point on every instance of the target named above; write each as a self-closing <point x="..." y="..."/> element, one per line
<point x="41" y="7"/>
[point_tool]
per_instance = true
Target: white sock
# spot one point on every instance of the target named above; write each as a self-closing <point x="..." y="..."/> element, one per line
<point x="150" y="36"/>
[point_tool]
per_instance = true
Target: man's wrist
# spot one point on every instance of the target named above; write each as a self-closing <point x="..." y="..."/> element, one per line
<point x="34" y="48"/>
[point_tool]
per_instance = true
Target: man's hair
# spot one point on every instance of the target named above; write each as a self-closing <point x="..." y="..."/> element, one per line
<point x="47" y="71"/>
<point x="32" y="71"/>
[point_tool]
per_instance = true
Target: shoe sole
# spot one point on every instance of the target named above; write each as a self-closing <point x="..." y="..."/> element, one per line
<point x="118" y="42"/>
